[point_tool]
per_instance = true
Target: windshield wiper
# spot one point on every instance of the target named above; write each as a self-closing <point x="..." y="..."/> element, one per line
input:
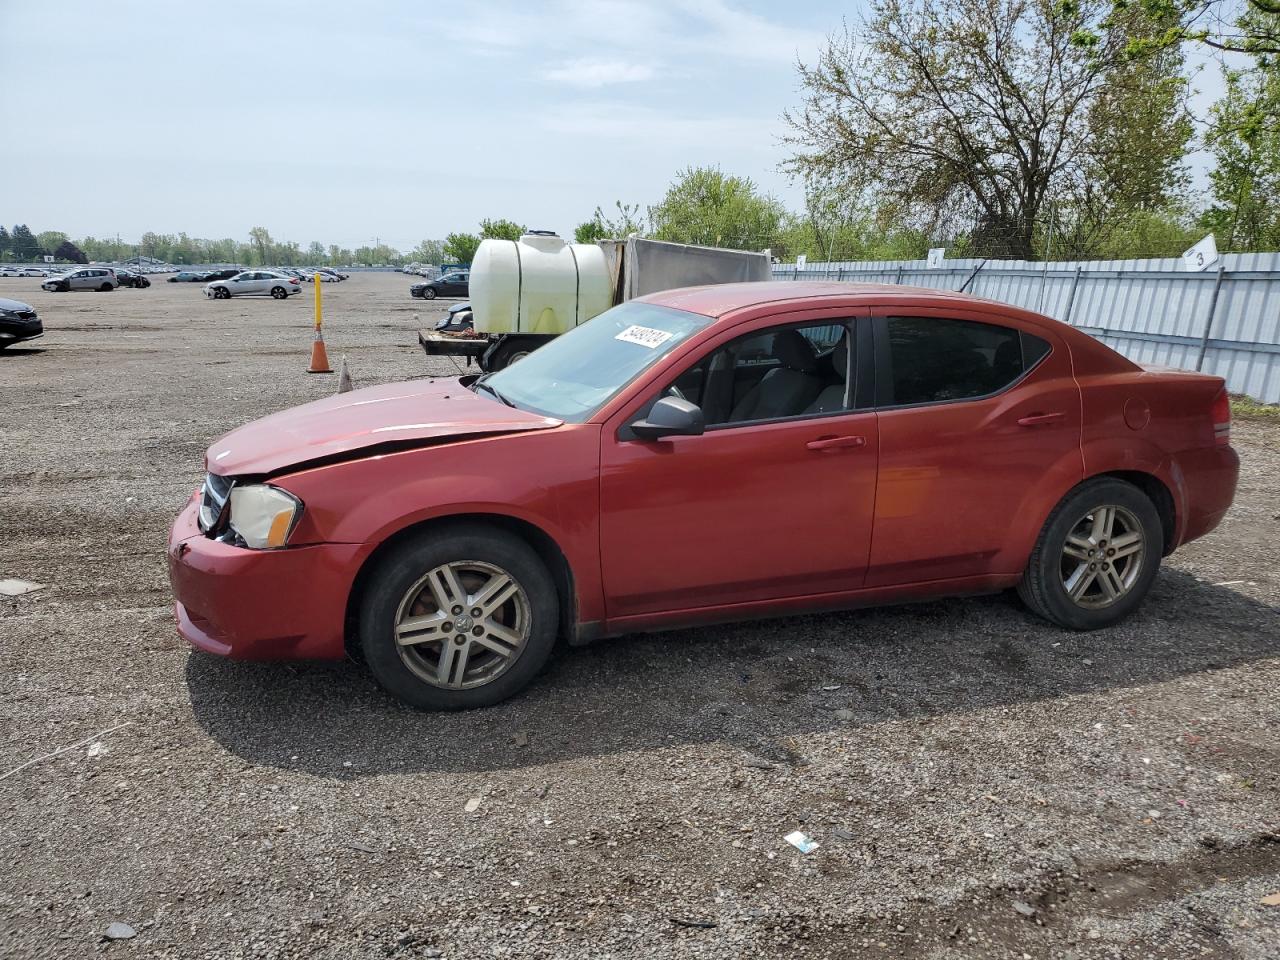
<point x="481" y="385"/>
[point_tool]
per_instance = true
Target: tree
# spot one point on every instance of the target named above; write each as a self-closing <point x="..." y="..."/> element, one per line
<point x="24" y="244"/>
<point x="315" y="252"/>
<point x="428" y="251"/>
<point x="501" y="230"/>
<point x="1212" y="22"/>
<point x="629" y="220"/>
<point x="589" y="231"/>
<point x="67" y="250"/>
<point x="968" y="117"/>
<point x="1244" y="138"/>
<point x="6" y="243"/>
<point x="704" y="206"/>
<point x="461" y="247"/>
<point x="261" y="241"/>
<point x="50" y="240"/>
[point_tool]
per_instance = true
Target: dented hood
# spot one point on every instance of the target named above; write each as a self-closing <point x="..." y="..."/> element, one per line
<point x="393" y="416"/>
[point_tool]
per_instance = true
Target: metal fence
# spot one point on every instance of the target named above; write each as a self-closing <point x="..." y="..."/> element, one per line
<point x="1224" y="320"/>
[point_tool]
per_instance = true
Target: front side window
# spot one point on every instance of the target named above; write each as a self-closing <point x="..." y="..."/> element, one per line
<point x="934" y="359"/>
<point x="770" y="375"/>
<point x="578" y="372"/>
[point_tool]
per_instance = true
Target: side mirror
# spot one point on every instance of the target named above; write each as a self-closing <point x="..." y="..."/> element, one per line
<point x="670" y="417"/>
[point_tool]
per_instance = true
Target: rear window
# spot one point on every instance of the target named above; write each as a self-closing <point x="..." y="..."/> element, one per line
<point x="934" y="359"/>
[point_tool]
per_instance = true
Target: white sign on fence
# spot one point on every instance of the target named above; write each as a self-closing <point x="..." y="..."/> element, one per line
<point x="48" y="258"/>
<point x="935" y="257"/>
<point x="1202" y="256"/>
<point x="801" y="260"/>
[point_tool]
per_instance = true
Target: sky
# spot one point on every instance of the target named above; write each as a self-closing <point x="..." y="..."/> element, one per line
<point x="349" y="123"/>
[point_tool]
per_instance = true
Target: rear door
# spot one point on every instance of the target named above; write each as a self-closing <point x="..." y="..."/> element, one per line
<point x="979" y="427"/>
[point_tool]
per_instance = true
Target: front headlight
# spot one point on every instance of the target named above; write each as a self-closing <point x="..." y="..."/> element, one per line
<point x="263" y="516"/>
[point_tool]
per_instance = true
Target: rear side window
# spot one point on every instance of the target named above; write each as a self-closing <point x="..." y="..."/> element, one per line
<point x="933" y="360"/>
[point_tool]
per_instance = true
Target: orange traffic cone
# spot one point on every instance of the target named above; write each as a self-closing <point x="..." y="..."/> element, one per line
<point x="319" y="356"/>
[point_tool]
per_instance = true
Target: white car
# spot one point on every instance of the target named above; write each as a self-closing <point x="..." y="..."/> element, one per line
<point x="10" y="272"/>
<point x="254" y="283"/>
<point x="34" y="272"/>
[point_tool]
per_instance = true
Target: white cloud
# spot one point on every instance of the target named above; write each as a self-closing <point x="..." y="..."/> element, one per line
<point x="591" y="73"/>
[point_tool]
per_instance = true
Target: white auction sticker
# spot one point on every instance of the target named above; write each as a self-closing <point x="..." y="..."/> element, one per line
<point x="645" y="336"/>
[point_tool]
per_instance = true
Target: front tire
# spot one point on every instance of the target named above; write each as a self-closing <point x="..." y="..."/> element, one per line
<point x="458" y="618"/>
<point x="429" y="293"/>
<point x="1096" y="558"/>
<point x="221" y="293"/>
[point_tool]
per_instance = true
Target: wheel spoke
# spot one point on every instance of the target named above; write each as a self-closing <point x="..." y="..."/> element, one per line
<point x="421" y="629"/>
<point x="453" y="663"/>
<point x="501" y="640"/>
<point x="1079" y="581"/>
<point x="1110" y="583"/>
<point x="1077" y="548"/>
<point x="1103" y="520"/>
<point x="445" y="588"/>
<point x="1126" y="544"/>
<point x="495" y="593"/>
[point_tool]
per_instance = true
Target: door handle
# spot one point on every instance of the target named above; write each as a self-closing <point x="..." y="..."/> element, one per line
<point x="1040" y="419"/>
<point x="836" y="443"/>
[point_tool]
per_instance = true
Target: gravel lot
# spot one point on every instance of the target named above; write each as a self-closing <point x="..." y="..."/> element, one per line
<point x="980" y="784"/>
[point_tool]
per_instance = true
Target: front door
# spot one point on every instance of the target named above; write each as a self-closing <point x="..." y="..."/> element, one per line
<point x="773" y="501"/>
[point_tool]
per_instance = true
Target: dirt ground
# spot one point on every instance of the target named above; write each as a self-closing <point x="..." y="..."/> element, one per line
<point x="981" y="784"/>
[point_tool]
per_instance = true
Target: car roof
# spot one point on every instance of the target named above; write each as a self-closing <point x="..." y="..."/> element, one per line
<point x="715" y="300"/>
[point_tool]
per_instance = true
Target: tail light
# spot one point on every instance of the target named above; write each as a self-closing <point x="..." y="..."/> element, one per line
<point x="1222" y="419"/>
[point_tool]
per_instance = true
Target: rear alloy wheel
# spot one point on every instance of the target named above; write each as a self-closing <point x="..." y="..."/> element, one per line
<point x="428" y="293"/>
<point x="280" y="293"/>
<point x="460" y="618"/>
<point x="1096" y="557"/>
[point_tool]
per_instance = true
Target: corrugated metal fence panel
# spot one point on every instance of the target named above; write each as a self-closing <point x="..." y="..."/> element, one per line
<point x="1152" y="311"/>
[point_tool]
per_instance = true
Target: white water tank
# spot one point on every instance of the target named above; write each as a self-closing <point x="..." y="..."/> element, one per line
<point x="537" y="284"/>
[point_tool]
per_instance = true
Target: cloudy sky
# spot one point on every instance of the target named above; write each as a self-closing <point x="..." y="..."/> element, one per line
<point x="343" y="122"/>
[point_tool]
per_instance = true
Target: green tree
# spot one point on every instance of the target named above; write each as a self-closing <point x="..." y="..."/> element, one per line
<point x="315" y="251"/>
<point x="624" y="223"/>
<point x="969" y="117"/>
<point x="704" y="206"/>
<point x="24" y="244"/>
<point x="501" y="230"/>
<point x="461" y="247"/>
<point x="261" y="241"/>
<point x="1244" y="138"/>
<point x="50" y="240"/>
<point x="6" y="243"/>
<point x="589" y="231"/>
<point x="1220" y="24"/>
<point x="428" y="251"/>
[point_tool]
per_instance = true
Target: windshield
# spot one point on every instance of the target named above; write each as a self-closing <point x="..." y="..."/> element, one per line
<point x="577" y="373"/>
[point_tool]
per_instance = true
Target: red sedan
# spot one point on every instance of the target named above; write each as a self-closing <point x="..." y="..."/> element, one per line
<point x="700" y="455"/>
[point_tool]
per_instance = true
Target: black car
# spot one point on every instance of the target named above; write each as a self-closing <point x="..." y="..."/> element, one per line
<point x="18" y="322"/>
<point x="128" y="278"/>
<point x="221" y="274"/>
<point x="450" y="285"/>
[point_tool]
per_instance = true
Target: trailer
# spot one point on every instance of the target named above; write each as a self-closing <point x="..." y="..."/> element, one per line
<point x="525" y="292"/>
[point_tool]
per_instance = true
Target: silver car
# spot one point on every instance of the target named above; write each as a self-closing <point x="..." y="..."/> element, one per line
<point x="84" y="278"/>
<point x="254" y="283"/>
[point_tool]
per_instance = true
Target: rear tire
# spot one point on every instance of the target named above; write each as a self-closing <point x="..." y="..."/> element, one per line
<point x="1096" y="558"/>
<point x="105" y="288"/>
<point x="410" y="625"/>
<point x="507" y="354"/>
<point x="280" y="293"/>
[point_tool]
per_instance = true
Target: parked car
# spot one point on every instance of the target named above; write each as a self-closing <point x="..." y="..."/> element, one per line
<point x="450" y="285"/>
<point x="336" y="273"/>
<point x="83" y="278"/>
<point x="33" y="272"/>
<point x="10" y="272"/>
<point x="459" y="319"/>
<point x="700" y="455"/>
<point x="186" y="276"/>
<point x="254" y="283"/>
<point x="127" y="278"/>
<point x="18" y="322"/>
<point x="224" y="274"/>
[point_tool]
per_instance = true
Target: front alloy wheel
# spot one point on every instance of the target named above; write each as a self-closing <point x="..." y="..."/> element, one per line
<point x="463" y="624"/>
<point x="458" y="616"/>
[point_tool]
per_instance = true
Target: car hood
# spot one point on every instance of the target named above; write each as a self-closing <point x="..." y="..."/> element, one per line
<point x="363" y="422"/>
<point x="14" y="305"/>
